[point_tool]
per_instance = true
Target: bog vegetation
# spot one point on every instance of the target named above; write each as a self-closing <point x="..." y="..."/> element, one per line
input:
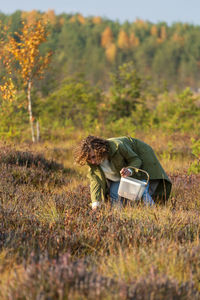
<point x="107" y="79"/>
<point x="54" y="247"/>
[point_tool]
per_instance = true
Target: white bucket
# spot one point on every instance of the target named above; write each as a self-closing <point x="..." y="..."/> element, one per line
<point x="132" y="188"/>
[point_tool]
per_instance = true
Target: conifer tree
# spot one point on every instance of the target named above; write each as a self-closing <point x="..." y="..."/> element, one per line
<point x="163" y="33"/>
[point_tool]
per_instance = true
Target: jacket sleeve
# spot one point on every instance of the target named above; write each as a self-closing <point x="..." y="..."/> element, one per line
<point x="95" y="187"/>
<point x="129" y="155"/>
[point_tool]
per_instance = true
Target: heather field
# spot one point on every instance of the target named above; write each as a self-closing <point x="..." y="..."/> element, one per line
<point x="52" y="246"/>
<point x="62" y="78"/>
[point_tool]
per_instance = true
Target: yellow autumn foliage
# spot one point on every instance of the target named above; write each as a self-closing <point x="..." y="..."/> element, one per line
<point x="154" y="30"/>
<point x="106" y="37"/>
<point x="61" y="21"/>
<point x="30" y="16"/>
<point x="81" y="19"/>
<point x="97" y="20"/>
<point x="49" y="16"/>
<point x="133" y="40"/>
<point x="77" y="18"/>
<point x="123" y="40"/>
<point x="140" y="23"/>
<point x="26" y="50"/>
<point x="111" y="52"/>
<point x="72" y="19"/>
<point x="7" y="89"/>
<point x="163" y="33"/>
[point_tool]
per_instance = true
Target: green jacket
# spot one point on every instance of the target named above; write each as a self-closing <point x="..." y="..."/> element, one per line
<point x="127" y="151"/>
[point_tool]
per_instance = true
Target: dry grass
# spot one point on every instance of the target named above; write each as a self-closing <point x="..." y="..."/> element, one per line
<point x="52" y="246"/>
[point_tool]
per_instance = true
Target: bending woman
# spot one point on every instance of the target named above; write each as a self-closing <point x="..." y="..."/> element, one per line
<point x="108" y="160"/>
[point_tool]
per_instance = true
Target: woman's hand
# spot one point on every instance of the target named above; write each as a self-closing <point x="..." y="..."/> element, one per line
<point x="95" y="205"/>
<point x="125" y="172"/>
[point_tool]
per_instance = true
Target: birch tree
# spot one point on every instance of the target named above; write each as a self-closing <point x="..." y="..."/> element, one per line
<point x="25" y="50"/>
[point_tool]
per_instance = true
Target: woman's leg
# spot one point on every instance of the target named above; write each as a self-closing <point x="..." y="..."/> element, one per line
<point x="114" y="197"/>
<point x="147" y="197"/>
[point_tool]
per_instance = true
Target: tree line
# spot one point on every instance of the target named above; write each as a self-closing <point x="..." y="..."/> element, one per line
<point x="73" y="73"/>
<point x="96" y="46"/>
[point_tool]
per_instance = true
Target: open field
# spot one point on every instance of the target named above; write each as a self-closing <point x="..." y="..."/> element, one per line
<point x="105" y="79"/>
<point x="52" y="246"/>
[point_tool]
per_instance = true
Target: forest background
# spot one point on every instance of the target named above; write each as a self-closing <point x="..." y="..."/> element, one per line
<point x="108" y="78"/>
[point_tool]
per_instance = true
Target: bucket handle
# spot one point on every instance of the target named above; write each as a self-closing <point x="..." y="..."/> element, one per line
<point x="137" y="170"/>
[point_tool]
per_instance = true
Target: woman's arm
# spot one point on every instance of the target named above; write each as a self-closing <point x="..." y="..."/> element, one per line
<point x="97" y="187"/>
<point x="130" y="156"/>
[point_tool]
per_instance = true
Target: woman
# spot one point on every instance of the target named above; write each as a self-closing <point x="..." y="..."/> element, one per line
<point x="108" y="160"/>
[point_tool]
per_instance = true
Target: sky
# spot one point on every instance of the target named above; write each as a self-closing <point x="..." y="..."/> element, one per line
<point x="169" y="11"/>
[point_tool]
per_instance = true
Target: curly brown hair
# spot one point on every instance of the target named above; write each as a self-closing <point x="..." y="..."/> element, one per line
<point x="98" y="145"/>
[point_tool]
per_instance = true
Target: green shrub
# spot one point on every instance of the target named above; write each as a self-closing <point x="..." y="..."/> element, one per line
<point x="74" y="104"/>
<point x="195" y="166"/>
<point x="122" y="126"/>
<point x="180" y="113"/>
<point x="125" y="91"/>
<point x="13" y="119"/>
